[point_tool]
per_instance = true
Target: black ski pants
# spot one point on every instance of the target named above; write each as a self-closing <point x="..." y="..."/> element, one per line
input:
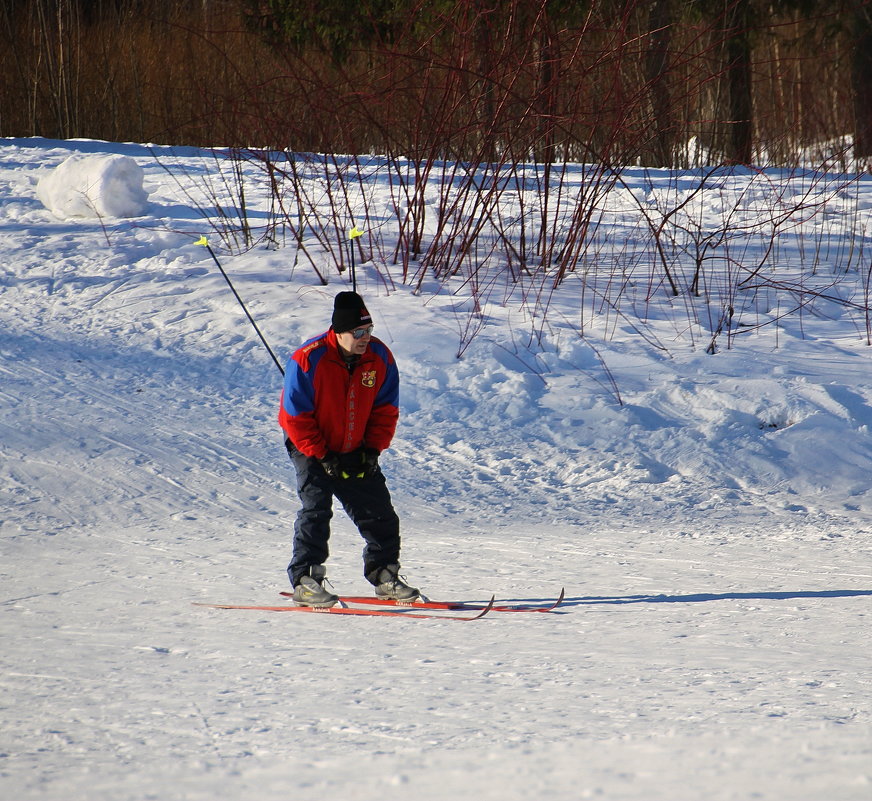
<point x="366" y="501"/>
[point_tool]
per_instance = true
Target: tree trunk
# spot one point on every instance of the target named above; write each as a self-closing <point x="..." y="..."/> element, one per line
<point x="657" y="69"/>
<point x="739" y="75"/>
<point x="861" y="79"/>
<point x="545" y="147"/>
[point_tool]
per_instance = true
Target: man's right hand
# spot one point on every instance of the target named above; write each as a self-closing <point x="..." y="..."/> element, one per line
<point x="330" y="463"/>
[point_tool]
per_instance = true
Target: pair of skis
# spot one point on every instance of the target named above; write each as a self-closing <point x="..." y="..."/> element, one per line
<point x="366" y="606"/>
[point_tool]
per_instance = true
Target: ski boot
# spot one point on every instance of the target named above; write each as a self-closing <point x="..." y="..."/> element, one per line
<point x="388" y="584"/>
<point x="311" y="590"/>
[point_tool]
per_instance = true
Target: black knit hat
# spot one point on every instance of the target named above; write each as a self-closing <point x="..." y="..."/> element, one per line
<point x="349" y="312"/>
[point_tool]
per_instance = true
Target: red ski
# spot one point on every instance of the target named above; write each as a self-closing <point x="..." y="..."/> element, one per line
<point x="456" y="606"/>
<point x="398" y="611"/>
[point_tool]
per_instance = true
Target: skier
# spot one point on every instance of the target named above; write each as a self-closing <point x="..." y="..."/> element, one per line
<point x="339" y="411"/>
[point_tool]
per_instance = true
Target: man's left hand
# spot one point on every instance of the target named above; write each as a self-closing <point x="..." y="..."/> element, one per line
<point x="370" y="461"/>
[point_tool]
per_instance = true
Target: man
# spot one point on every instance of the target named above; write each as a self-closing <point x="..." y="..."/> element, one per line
<point x="339" y="411"/>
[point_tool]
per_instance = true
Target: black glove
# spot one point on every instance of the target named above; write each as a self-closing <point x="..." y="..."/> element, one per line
<point x="330" y="463"/>
<point x="370" y="461"/>
<point x="361" y="463"/>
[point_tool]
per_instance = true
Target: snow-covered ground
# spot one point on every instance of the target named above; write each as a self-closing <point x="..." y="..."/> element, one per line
<point x="712" y="532"/>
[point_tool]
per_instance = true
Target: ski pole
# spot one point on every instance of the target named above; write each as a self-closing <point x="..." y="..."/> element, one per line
<point x="353" y="234"/>
<point x="205" y="243"/>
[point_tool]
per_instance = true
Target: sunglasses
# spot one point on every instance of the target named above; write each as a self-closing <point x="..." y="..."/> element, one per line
<point x="360" y="333"/>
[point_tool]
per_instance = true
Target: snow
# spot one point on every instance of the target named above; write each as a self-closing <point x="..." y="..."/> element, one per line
<point x="94" y="186"/>
<point x="711" y="530"/>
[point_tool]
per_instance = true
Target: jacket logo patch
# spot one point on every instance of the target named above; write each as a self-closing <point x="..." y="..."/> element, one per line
<point x="368" y="378"/>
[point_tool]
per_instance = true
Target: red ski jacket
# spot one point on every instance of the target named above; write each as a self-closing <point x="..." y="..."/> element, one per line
<point x="325" y="407"/>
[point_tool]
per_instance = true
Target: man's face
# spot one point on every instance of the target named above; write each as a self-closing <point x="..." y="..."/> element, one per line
<point x="355" y="342"/>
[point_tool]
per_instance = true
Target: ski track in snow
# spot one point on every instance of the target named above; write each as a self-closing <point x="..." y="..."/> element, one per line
<point x="712" y="534"/>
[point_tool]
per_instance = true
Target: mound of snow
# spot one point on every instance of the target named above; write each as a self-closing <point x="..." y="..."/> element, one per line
<point x="94" y="186"/>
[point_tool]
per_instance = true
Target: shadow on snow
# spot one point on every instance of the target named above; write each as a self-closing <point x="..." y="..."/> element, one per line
<point x="705" y="597"/>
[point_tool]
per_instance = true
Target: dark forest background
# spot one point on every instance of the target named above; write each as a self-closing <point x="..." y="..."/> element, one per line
<point x="656" y="83"/>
